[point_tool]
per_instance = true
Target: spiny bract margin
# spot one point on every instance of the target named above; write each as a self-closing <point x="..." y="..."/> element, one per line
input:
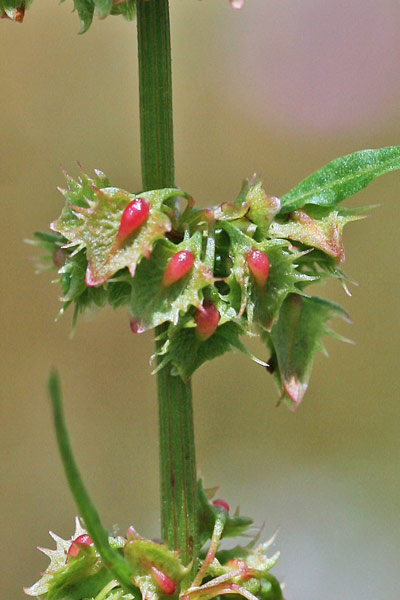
<point x="15" y="10"/>
<point x="76" y="571"/>
<point x="299" y="239"/>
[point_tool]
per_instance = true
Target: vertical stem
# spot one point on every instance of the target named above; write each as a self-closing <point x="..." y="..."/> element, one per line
<point x="177" y="465"/>
<point x="176" y="431"/>
<point x="155" y="94"/>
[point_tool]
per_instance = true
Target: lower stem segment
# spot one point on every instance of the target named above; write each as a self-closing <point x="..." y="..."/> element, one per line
<point x="176" y="431"/>
<point x="177" y="464"/>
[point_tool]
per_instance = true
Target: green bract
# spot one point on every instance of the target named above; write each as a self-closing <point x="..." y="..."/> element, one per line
<point x="301" y="236"/>
<point x="103" y="8"/>
<point x="14" y="9"/>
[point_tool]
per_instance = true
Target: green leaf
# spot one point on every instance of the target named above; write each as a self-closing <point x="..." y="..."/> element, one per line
<point x="118" y="566"/>
<point x="207" y="514"/>
<point x="341" y="178"/>
<point x="295" y="339"/>
<point x="151" y="302"/>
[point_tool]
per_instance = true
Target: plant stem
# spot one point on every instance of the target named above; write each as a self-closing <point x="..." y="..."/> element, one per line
<point x="176" y="431"/>
<point x="155" y="94"/>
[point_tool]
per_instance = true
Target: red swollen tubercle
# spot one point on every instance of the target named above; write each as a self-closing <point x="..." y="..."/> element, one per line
<point x="78" y="543"/>
<point x="165" y="583"/>
<point x="134" y="215"/>
<point x="207" y="319"/>
<point x="221" y="504"/>
<point x="178" y="266"/>
<point x="259" y="266"/>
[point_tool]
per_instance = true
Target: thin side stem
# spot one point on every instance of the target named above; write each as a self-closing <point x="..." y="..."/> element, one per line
<point x="116" y="563"/>
<point x="176" y="431"/>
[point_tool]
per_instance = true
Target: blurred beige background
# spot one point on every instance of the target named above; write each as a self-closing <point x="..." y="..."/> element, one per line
<point x="279" y="88"/>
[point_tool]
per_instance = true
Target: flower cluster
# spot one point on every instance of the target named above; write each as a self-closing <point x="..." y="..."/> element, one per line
<point x="15" y="10"/>
<point x="76" y="570"/>
<point x="86" y="9"/>
<point x="211" y="276"/>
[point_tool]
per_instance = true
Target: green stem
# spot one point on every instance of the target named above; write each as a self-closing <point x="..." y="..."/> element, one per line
<point x="177" y="464"/>
<point x="176" y="431"/>
<point x="155" y="94"/>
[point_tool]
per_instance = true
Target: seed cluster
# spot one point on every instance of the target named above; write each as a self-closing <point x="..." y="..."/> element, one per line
<point x="209" y="275"/>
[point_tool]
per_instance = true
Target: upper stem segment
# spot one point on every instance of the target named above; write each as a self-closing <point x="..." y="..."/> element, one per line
<point x="155" y="94"/>
<point x="176" y="431"/>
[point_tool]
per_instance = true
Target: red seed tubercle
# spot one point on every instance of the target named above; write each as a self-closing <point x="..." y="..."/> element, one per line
<point x="134" y="215"/>
<point x="221" y="504"/>
<point x="165" y="583"/>
<point x="259" y="266"/>
<point x="207" y="319"/>
<point x="77" y="543"/>
<point x="178" y="266"/>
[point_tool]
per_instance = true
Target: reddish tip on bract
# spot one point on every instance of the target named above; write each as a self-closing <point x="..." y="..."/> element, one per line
<point x="165" y="583"/>
<point x="236" y="564"/>
<point x="221" y="504"/>
<point x="134" y="215"/>
<point x="77" y="543"/>
<point x="207" y="319"/>
<point x="17" y="14"/>
<point x="178" y="266"/>
<point x="259" y="266"/>
<point x="89" y="280"/>
<point x="136" y="325"/>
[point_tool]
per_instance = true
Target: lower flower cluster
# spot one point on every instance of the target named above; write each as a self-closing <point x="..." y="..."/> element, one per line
<point x="76" y="571"/>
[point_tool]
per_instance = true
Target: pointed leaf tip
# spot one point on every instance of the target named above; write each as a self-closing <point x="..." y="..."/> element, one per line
<point x="295" y="339"/>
